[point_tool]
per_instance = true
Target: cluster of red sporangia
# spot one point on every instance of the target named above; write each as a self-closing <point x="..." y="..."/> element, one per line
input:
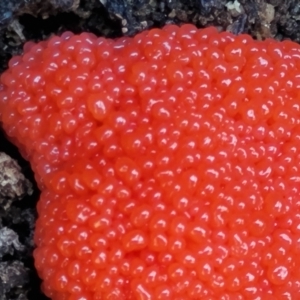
<point x="168" y="163"/>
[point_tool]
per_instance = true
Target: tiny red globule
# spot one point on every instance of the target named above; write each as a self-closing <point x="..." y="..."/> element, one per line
<point x="167" y="162"/>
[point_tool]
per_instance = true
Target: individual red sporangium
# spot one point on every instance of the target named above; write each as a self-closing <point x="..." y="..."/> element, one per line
<point x="168" y="163"/>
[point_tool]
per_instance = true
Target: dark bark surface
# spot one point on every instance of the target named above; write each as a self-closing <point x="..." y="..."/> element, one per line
<point x="23" y="20"/>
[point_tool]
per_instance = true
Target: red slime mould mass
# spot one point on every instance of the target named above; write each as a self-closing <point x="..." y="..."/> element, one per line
<point x="168" y="164"/>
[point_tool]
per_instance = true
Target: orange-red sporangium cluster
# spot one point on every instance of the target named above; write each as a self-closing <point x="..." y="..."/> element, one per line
<point x="168" y="164"/>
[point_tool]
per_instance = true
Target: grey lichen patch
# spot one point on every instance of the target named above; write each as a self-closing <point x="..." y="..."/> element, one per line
<point x="13" y="184"/>
<point x="266" y="14"/>
<point x="9" y="242"/>
<point x="13" y="274"/>
<point x="235" y="8"/>
<point x="18" y="29"/>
